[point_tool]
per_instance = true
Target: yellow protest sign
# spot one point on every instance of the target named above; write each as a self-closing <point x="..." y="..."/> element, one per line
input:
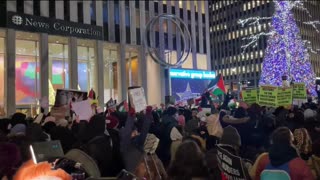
<point x="284" y="97"/>
<point x="299" y="91"/>
<point x="268" y="96"/>
<point x="250" y="96"/>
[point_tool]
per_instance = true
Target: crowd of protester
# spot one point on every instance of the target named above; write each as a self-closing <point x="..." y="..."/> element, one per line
<point x="176" y="143"/>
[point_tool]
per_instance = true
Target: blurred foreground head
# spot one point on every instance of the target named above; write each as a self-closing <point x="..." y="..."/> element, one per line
<point x="40" y="171"/>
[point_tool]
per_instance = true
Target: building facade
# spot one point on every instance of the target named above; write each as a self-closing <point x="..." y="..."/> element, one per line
<point x="226" y="38"/>
<point x="82" y="44"/>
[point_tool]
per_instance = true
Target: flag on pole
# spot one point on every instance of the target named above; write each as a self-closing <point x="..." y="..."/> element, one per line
<point x="216" y="86"/>
<point x="123" y="106"/>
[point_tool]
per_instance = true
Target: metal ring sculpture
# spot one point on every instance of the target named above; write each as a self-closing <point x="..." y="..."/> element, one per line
<point x="149" y="40"/>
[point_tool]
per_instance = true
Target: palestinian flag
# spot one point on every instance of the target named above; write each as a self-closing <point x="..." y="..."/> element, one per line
<point x="216" y="86"/>
<point x="123" y="106"/>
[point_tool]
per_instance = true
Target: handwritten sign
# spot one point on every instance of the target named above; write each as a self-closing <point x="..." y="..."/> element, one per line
<point x="230" y="164"/>
<point x="82" y="109"/>
<point x="137" y="99"/>
<point x="250" y="96"/>
<point x="284" y="97"/>
<point x="299" y="91"/>
<point x="268" y="96"/>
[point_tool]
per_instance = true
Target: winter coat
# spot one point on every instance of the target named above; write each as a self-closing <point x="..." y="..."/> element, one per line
<point x="192" y="125"/>
<point x="163" y="150"/>
<point x="132" y="148"/>
<point x="298" y="169"/>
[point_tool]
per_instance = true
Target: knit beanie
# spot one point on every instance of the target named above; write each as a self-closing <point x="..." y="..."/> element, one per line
<point x="308" y="113"/>
<point x="231" y="136"/>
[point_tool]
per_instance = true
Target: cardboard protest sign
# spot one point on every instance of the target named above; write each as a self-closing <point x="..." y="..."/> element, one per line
<point x="284" y="97"/>
<point x="299" y="91"/>
<point x="137" y="99"/>
<point x="268" y="96"/>
<point x="82" y="109"/>
<point x="59" y="112"/>
<point x="64" y="97"/>
<point x="250" y="96"/>
<point x="230" y="164"/>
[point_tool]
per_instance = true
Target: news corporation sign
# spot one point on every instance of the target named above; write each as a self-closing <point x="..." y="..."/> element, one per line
<point x="41" y="24"/>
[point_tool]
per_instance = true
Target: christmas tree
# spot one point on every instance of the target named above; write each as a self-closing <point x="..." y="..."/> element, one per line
<point x="286" y="54"/>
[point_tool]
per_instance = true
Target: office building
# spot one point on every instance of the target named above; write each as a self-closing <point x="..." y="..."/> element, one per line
<point x="82" y="44"/>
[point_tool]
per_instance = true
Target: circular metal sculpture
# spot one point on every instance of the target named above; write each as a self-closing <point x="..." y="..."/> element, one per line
<point x="153" y="48"/>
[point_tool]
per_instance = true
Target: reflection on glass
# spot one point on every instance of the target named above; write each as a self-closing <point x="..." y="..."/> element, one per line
<point x="27" y="70"/>
<point x="1" y="73"/>
<point x="58" y="65"/>
<point x="87" y="65"/>
<point x="110" y="53"/>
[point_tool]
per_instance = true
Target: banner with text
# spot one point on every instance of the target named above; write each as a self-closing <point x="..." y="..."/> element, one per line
<point x="284" y="97"/>
<point x="250" y="96"/>
<point x="230" y="164"/>
<point x="137" y="99"/>
<point x="268" y="96"/>
<point x="299" y="91"/>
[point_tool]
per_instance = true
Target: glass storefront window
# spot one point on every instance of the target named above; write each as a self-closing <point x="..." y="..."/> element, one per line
<point x="58" y="65"/>
<point x="2" y="55"/>
<point x="27" y="69"/>
<point x="87" y="66"/>
<point x="111" y="59"/>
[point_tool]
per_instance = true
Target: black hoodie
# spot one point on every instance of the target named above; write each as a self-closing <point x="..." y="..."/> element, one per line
<point x="281" y="154"/>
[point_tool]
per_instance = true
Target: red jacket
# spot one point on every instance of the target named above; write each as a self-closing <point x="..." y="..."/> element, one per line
<point x="298" y="169"/>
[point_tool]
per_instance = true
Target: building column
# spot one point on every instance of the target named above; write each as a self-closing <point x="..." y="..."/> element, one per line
<point x="73" y="63"/>
<point x="100" y="72"/>
<point x="44" y="67"/>
<point x="122" y="76"/>
<point x="10" y="73"/>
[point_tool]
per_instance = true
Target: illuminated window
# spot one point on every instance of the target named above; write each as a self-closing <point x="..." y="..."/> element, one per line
<point x="250" y="30"/>
<point x="233" y="35"/>
<point x="257" y="67"/>
<point x="253" y="4"/>
<point x="27" y="68"/>
<point x="241" y="32"/>
<point x="251" y="56"/>
<point x="249" y="5"/>
<point x="244" y="7"/>
<point x="246" y="32"/>
<point x="237" y="34"/>
<point x="261" y="53"/>
<point x="259" y="27"/>
<point x="2" y="55"/>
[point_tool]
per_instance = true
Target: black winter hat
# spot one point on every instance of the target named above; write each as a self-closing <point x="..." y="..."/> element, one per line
<point x="171" y="111"/>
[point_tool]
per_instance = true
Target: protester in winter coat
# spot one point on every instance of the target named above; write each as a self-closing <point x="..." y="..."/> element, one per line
<point x="314" y="160"/>
<point x="188" y="163"/>
<point x="168" y="134"/>
<point x="101" y="147"/>
<point x="283" y="154"/>
<point x="132" y="143"/>
<point x="215" y="131"/>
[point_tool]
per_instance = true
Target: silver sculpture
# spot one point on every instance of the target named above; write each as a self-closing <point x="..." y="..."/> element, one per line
<point x="154" y="50"/>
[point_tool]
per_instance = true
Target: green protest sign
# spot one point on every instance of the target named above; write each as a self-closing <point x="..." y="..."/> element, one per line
<point x="268" y="96"/>
<point x="299" y="91"/>
<point x="284" y="97"/>
<point x="250" y="96"/>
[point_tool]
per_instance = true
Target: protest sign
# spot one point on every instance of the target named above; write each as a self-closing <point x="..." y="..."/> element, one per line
<point x="299" y="91"/>
<point x="268" y="96"/>
<point x="137" y="99"/>
<point x="82" y="109"/>
<point x="64" y="97"/>
<point x="250" y="96"/>
<point x="284" y="97"/>
<point x="230" y="164"/>
<point x="59" y="112"/>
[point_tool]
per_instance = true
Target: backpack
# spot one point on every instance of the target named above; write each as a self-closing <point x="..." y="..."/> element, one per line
<point x="276" y="173"/>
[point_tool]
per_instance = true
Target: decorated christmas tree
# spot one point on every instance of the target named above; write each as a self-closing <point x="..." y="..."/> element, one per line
<point x="286" y="54"/>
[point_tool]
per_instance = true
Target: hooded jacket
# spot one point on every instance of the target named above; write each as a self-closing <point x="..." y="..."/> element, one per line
<point x="279" y="155"/>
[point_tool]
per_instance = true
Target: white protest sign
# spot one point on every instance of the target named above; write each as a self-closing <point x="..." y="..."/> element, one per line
<point x="137" y="99"/>
<point x="82" y="109"/>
